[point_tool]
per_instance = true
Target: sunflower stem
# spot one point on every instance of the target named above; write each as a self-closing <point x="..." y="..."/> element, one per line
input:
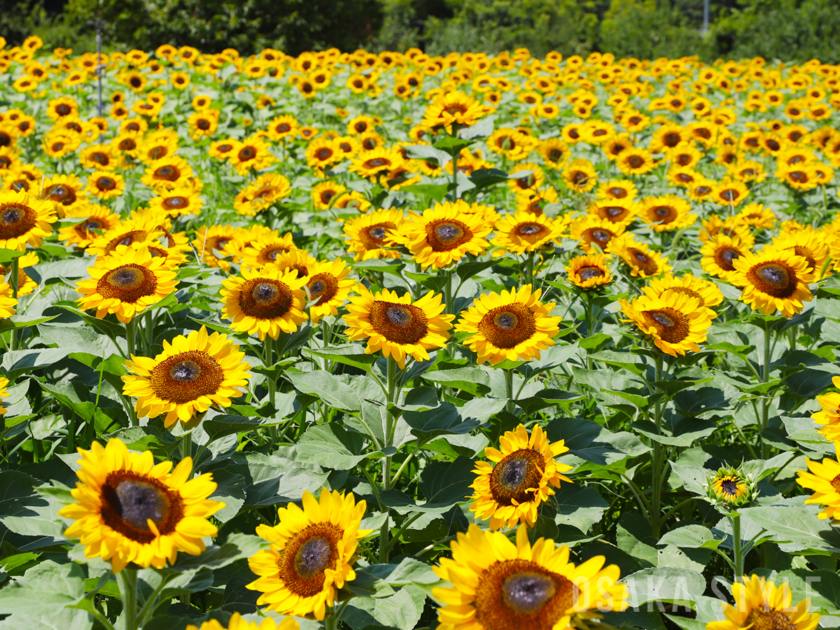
<point x="384" y="533"/>
<point x="186" y="445"/>
<point x="127" y="579"/>
<point x="509" y="405"/>
<point x="765" y="404"/>
<point x="447" y="292"/>
<point x="737" y="548"/>
<point x="130" y="332"/>
<point x="656" y="479"/>
<point x="455" y="173"/>
<point x="13" y="280"/>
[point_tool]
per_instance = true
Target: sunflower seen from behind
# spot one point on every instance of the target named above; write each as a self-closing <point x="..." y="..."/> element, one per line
<point x="24" y="220"/>
<point x="443" y="235"/>
<point x="523" y="475"/>
<point x="126" y="283"/>
<point x="761" y="605"/>
<point x="499" y="585"/>
<point x="676" y="323"/>
<point x="396" y="325"/>
<point x="509" y="326"/>
<point x="191" y="374"/>
<point x="129" y="510"/>
<point x="311" y="554"/>
<point x="264" y="302"/>
<point x="773" y="280"/>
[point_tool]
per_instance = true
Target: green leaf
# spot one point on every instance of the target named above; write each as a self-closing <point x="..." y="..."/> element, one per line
<point x="436" y="191"/>
<point x="237" y="547"/>
<point x="664" y="584"/>
<point x="579" y="507"/>
<point x="327" y="387"/>
<point x="230" y="491"/>
<point x="348" y="354"/>
<point x="332" y="446"/>
<point x="401" y="610"/>
<point x="442" y="420"/>
<point x="690" y="537"/>
<point x="799" y="526"/>
<point x="8" y="255"/>
<point x="482" y="129"/>
<point x="469" y="379"/>
<point x="44" y="586"/>
<point x="64" y="619"/>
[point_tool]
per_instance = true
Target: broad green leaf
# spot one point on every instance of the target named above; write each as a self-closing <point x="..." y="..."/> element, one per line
<point x="578" y="506"/>
<point x="445" y="419"/>
<point x="237" y="547"/>
<point x="664" y="584"/>
<point x="334" y="447"/>
<point x="327" y="387"/>
<point x="47" y="585"/>
<point x="401" y="610"/>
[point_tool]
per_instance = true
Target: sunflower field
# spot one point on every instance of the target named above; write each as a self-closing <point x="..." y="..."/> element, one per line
<point x="362" y="341"/>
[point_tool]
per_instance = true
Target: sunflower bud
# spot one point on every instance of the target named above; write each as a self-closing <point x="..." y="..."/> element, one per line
<point x="730" y="488"/>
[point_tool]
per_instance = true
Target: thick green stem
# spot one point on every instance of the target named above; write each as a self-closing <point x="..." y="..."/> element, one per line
<point x="765" y="407"/>
<point x="455" y="176"/>
<point x="393" y="393"/>
<point x="737" y="548"/>
<point x="510" y="405"/>
<point x="656" y="477"/>
<point x="127" y="579"/>
<point x="13" y="280"/>
<point x="447" y="292"/>
<point x="529" y="269"/>
<point x="186" y="445"/>
<point x="130" y="334"/>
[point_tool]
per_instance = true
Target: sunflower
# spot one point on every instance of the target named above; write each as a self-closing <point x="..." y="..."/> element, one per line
<point x="452" y="109"/>
<point x="126" y="283"/>
<point x="761" y="605"/>
<point x="757" y="216"/>
<point x="830" y="414"/>
<point x="589" y="271"/>
<point x="525" y="232"/>
<point x="261" y="194"/>
<point x="774" y="279"/>
<point x="676" y="322"/>
<point x="617" y="189"/>
<point x="26" y="285"/>
<point x="323" y="152"/>
<point x="635" y="161"/>
<point x="311" y="554"/>
<point x="513" y="325"/>
<point x="264" y="301"/>
<point x="811" y="245"/>
<point x="24" y="220"/>
<point x="619" y="212"/>
<point x="265" y="249"/>
<point x="130" y="510"/>
<point x="328" y="286"/>
<point x="282" y="127"/>
<point x="139" y="229"/>
<point x="730" y="193"/>
<point x="497" y="585"/>
<point x="65" y="191"/>
<point x="580" y="176"/>
<point x="554" y="152"/>
<point x="191" y="374"/>
<point x="7" y="302"/>
<point x="238" y="623"/>
<point x="730" y="488"/>
<point x="512" y="490"/>
<point x="720" y="254"/>
<point x="396" y="325"/>
<point x="177" y="202"/>
<point x="168" y="172"/>
<point x="705" y="291"/>
<point x="370" y="235"/>
<point x="668" y="212"/>
<point x="594" y="231"/>
<point x="217" y="238"/>
<point x="642" y="261"/>
<point x="443" y="235"/>
<point x="377" y="162"/>
<point x="105" y="184"/>
<point x="324" y="194"/>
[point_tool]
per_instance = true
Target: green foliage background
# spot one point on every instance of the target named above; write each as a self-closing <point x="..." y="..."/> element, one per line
<point x="794" y="30"/>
